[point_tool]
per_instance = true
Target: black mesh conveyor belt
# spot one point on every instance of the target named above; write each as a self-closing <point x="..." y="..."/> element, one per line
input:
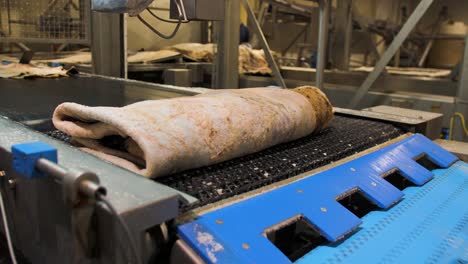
<point x="345" y="137"/>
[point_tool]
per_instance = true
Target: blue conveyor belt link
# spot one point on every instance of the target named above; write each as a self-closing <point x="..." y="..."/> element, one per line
<point x="428" y="223"/>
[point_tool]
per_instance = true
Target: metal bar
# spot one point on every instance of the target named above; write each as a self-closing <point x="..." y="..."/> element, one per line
<point x="1" y="32"/>
<point x="61" y="47"/>
<point x="410" y="24"/>
<point x="343" y="34"/>
<point x="402" y="16"/>
<point x="22" y="22"/>
<point x="109" y="47"/>
<point x="274" y="20"/>
<point x="226" y="67"/>
<point x="22" y="46"/>
<point x="266" y="48"/>
<point x="304" y="30"/>
<point x="49" y="7"/>
<point x="261" y="20"/>
<point x="262" y="13"/>
<point x="51" y="168"/>
<point x="204" y="35"/>
<point x="324" y="6"/>
<point x="45" y="41"/>
<point x="455" y="71"/>
<point x="461" y="101"/>
<point x="8" y="17"/>
<point x="430" y="43"/>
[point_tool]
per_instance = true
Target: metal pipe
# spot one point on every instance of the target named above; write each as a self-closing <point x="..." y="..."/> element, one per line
<point x="52" y="169"/>
<point x="343" y="34"/>
<point x="109" y="45"/>
<point x="79" y="183"/>
<point x="8" y="17"/>
<point x="226" y="67"/>
<point x="324" y="17"/>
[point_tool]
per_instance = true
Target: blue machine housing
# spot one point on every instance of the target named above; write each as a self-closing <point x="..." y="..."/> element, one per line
<point x="427" y="215"/>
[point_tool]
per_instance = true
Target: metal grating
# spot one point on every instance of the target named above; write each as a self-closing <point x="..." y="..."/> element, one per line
<point x="345" y="137"/>
<point x="45" y="21"/>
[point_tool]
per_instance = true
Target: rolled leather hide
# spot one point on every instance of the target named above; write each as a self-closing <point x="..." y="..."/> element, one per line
<point x="161" y="137"/>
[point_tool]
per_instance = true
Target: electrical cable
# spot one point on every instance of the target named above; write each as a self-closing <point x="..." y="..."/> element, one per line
<point x="182" y="15"/>
<point x="7" y="231"/>
<point x="452" y="120"/>
<point x="176" y="29"/>
<point x="165" y="20"/>
<point x="101" y="198"/>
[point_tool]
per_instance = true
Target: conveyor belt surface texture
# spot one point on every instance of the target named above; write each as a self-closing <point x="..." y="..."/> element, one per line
<point x="343" y="138"/>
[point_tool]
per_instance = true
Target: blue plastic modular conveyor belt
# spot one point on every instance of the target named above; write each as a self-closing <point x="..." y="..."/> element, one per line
<point x="424" y="223"/>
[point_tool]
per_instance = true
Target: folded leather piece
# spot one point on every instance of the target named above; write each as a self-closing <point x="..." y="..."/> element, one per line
<point x="161" y="137"/>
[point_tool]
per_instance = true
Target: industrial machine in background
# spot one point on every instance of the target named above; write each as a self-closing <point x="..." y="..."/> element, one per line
<point x="372" y="187"/>
<point x="365" y="181"/>
<point x="375" y="86"/>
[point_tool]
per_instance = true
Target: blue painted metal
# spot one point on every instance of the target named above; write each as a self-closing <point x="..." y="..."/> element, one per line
<point x="234" y="234"/>
<point x="26" y="155"/>
<point x="429" y="226"/>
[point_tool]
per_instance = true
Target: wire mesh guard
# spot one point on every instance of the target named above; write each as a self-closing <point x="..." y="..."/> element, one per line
<point x="45" y="21"/>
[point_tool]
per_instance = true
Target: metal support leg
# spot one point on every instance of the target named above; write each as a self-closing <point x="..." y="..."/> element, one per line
<point x="109" y="44"/>
<point x="455" y="71"/>
<point x="266" y="48"/>
<point x="390" y="52"/>
<point x="461" y="101"/>
<point x="343" y="35"/>
<point x="324" y="6"/>
<point x="261" y="20"/>
<point x="226" y="70"/>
